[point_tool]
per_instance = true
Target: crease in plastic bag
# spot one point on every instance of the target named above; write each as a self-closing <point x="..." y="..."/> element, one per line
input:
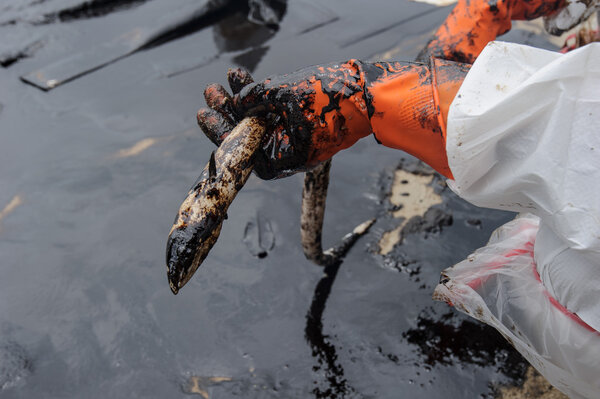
<point x="499" y="285"/>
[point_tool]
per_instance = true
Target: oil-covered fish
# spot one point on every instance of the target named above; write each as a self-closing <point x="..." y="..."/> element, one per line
<point x="201" y="215"/>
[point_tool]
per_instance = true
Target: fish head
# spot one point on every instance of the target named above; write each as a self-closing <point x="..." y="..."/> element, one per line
<point x="187" y="247"/>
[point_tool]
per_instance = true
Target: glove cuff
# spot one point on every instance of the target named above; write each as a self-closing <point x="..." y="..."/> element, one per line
<point x="410" y="109"/>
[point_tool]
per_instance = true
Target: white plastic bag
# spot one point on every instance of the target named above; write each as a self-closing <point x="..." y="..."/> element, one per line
<point x="523" y="135"/>
<point x="499" y="285"/>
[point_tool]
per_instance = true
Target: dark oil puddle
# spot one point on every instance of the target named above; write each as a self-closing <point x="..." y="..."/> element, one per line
<point x="96" y="288"/>
<point x="322" y="350"/>
<point x="238" y="25"/>
<point x="7" y="61"/>
<point x="92" y="9"/>
<point x="447" y="341"/>
<point x="196" y="24"/>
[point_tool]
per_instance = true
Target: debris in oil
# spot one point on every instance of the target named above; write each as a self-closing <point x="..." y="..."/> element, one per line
<point x="199" y="385"/>
<point x="11" y="206"/>
<point x="137" y="148"/>
<point x="534" y="386"/>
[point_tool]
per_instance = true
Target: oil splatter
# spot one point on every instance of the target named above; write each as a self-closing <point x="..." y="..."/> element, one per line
<point x="444" y="341"/>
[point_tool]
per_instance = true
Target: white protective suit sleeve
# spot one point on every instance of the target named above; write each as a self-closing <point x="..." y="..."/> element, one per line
<point x="523" y="134"/>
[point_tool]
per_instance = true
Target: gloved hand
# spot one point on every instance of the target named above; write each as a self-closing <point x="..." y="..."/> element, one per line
<point x="310" y="114"/>
<point x="472" y="24"/>
<point x="316" y="112"/>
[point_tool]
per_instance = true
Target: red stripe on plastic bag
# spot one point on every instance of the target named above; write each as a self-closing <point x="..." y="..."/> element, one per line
<point x="560" y="307"/>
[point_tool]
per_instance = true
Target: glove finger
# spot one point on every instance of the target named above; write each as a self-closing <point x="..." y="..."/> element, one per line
<point x="238" y="78"/>
<point x="219" y="99"/>
<point x="254" y="100"/>
<point x="214" y="125"/>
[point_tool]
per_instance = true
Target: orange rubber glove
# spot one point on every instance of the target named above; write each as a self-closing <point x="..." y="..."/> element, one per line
<point x="411" y="108"/>
<point x="472" y="24"/>
<point x="316" y="112"/>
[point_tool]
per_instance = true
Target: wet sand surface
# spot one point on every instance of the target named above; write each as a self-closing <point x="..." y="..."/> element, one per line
<point x="533" y="386"/>
<point x="93" y="171"/>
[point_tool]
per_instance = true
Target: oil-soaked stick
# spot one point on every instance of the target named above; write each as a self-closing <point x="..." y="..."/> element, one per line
<point x="314" y="197"/>
<point x="201" y="215"/>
